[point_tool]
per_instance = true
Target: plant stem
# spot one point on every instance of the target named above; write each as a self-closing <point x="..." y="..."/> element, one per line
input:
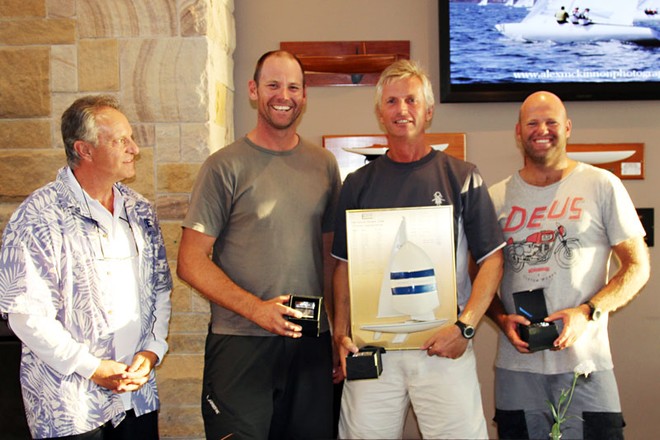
<point x="570" y="397"/>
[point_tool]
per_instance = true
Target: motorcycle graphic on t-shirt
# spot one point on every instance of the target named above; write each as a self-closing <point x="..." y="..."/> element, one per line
<point x="540" y="246"/>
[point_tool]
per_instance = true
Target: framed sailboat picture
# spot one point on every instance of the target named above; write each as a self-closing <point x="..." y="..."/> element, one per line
<point x="402" y="275"/>
<point x="502" y="50"/>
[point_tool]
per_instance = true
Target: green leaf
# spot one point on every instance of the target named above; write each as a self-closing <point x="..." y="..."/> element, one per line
<point x="552" y="408"/>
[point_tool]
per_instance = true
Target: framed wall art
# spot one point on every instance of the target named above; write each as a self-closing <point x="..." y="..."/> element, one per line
<point x="402" y="275"/>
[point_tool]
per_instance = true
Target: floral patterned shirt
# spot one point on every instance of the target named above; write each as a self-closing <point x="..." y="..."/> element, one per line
<point x="47" y="269"/>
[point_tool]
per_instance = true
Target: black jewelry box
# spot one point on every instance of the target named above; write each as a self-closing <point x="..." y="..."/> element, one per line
<point x="310" y="307"/>
<point x="365" y="364"/>
<point x="539" y="334"/>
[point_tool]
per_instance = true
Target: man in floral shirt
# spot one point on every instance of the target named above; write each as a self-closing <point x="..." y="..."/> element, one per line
<point x="86" y="286"/>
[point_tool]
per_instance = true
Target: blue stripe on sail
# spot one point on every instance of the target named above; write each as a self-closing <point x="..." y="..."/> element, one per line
<point x="412" y="274"/>
<point x="411" y="290"/>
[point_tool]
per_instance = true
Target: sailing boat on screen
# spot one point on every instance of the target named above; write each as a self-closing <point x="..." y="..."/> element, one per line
<point x="609" y="20"/>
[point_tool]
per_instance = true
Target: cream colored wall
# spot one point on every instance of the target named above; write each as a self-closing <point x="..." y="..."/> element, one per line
<point x="262" y="25"/>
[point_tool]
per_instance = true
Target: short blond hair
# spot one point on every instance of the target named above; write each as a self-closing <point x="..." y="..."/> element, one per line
<point x="402" y="69"/>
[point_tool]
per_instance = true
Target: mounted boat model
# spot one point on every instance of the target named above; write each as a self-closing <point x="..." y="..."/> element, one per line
<point x="610" y="20"/>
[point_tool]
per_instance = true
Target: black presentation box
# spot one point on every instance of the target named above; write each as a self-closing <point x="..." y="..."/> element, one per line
<point x="539" y="334"/>
<point x="310" y="307"/>
<point x="365" y="364"/>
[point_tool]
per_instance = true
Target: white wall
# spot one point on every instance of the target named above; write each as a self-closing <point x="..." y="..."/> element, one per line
<point x="262" y="25"/>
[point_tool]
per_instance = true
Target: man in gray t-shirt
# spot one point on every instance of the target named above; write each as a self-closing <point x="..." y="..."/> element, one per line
<point x="263" y="207"/>
<point x="563" y="220"/>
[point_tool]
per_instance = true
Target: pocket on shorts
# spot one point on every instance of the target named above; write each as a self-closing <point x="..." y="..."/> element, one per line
<point x="511" y="424"/>
<point x="603" y="425"/>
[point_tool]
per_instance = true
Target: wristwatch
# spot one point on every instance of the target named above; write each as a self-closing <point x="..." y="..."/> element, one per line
<point x="594" y="312"/>
<point x="466" y="329"/>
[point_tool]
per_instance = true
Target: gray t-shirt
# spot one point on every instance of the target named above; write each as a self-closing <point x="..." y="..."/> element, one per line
<point x="560" y="239"/>
<point x="268" y="211"/>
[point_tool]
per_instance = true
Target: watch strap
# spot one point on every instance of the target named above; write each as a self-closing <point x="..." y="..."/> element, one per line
<point x="467" y="331"/>
<point x="594" y="312"/>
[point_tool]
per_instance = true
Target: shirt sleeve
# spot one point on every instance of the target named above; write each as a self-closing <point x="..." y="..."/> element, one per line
<point x="339" y="245"/>
<point x="335" y="188"/>
<point x="156" y="340"/>
<point x="53" y="344"/>
<point x="211" y="199"/>
<point x="481" y="226"/>
<point x="621" y="218"/>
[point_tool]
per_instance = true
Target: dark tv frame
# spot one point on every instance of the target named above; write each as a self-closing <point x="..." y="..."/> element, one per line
<point x="517" y="92"/>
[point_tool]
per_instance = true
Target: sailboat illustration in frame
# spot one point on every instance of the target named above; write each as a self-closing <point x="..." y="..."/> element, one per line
<point x="415" y="289"/>
<point x="409" y="290"/>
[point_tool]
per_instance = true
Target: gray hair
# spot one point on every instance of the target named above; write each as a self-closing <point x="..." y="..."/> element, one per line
<point x="79" y="123"/>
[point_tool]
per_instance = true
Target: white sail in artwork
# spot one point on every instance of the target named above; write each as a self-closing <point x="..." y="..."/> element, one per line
<point x="409" y="286"/>
<point x="610" y="20"/>
<point x="409" y="291"/>
<point x="483" y="3"/>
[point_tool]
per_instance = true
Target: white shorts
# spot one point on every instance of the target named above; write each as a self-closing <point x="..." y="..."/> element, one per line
<point x="445" y="395"/>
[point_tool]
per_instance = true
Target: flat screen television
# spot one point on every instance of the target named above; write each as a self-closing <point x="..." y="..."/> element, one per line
<point x="502" y="50"/>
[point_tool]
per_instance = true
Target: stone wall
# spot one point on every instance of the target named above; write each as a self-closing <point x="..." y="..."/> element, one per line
<point x="170" y="64"/>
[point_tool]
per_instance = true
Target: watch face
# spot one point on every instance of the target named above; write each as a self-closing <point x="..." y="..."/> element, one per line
<point x="466" y="330"/>
<point x="595" y="312"/>
<point x="595" y="316"/>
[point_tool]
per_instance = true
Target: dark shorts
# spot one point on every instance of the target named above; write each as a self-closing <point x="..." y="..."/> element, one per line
<point x="267" y="387"/>
<point x="522" y="411"/>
